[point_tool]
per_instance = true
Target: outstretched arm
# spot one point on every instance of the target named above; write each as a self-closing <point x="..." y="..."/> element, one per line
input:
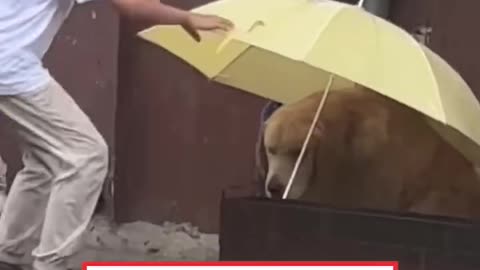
<point x="156" y="12"/>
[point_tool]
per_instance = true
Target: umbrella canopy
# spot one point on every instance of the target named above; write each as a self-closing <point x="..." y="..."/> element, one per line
<point x="284" y="50"/>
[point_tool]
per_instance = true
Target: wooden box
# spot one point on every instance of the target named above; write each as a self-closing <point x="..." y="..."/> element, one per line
<point x="255" y="229"/>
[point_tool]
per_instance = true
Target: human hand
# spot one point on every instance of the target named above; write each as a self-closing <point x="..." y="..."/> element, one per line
<point x="198" y="22"/>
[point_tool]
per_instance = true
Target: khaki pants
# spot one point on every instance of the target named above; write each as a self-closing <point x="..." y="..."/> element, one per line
<point x="53" y="198"/>
<point x="3" y="183"/>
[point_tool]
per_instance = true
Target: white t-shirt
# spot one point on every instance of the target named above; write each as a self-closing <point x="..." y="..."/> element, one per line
<point x="27" y="28"/>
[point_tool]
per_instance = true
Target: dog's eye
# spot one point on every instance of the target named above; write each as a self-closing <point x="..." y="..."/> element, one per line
<point x="271" y="150"/>
<point x="294" y="152"/>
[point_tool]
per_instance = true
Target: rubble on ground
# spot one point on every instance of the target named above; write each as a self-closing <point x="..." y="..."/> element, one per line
<point x="143" y="241"/>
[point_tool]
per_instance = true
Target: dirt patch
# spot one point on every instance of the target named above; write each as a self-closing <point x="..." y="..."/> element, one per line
<point x="142" y="241"/>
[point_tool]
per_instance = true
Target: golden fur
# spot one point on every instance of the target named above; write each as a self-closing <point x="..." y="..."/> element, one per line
<point x="367" y="151"/>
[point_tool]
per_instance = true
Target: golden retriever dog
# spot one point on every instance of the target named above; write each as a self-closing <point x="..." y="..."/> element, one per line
<point x="367" y="151"/>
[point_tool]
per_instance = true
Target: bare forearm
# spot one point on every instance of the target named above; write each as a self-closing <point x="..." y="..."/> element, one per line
<point x="153" y="11"/>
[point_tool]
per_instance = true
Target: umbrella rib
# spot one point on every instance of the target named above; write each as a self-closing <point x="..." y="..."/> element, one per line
<point x="432" y="74"/>
<point x="231" y="62"/>
<point x="318" y="34"/>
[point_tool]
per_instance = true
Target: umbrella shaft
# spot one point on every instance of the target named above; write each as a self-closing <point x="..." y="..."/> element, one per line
<point x="309" y="135"/>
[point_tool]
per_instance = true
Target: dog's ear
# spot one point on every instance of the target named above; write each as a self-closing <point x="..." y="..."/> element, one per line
<point x="261" y="161"/>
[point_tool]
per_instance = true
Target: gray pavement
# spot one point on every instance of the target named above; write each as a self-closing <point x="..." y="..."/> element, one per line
<point x="141" y="241"/>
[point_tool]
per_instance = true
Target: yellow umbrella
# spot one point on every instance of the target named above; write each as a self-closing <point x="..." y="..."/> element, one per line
<point x="286" y="49"/>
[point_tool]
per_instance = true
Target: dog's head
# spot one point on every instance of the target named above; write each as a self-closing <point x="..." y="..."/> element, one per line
<point x="338" y="129"/>
<point x="283" y="140"/>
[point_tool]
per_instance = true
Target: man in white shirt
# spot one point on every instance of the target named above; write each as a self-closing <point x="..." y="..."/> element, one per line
<point x="65" y="158"/>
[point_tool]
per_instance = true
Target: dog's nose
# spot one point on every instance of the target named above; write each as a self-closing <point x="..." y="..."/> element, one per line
<point x="275" y="188"/>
